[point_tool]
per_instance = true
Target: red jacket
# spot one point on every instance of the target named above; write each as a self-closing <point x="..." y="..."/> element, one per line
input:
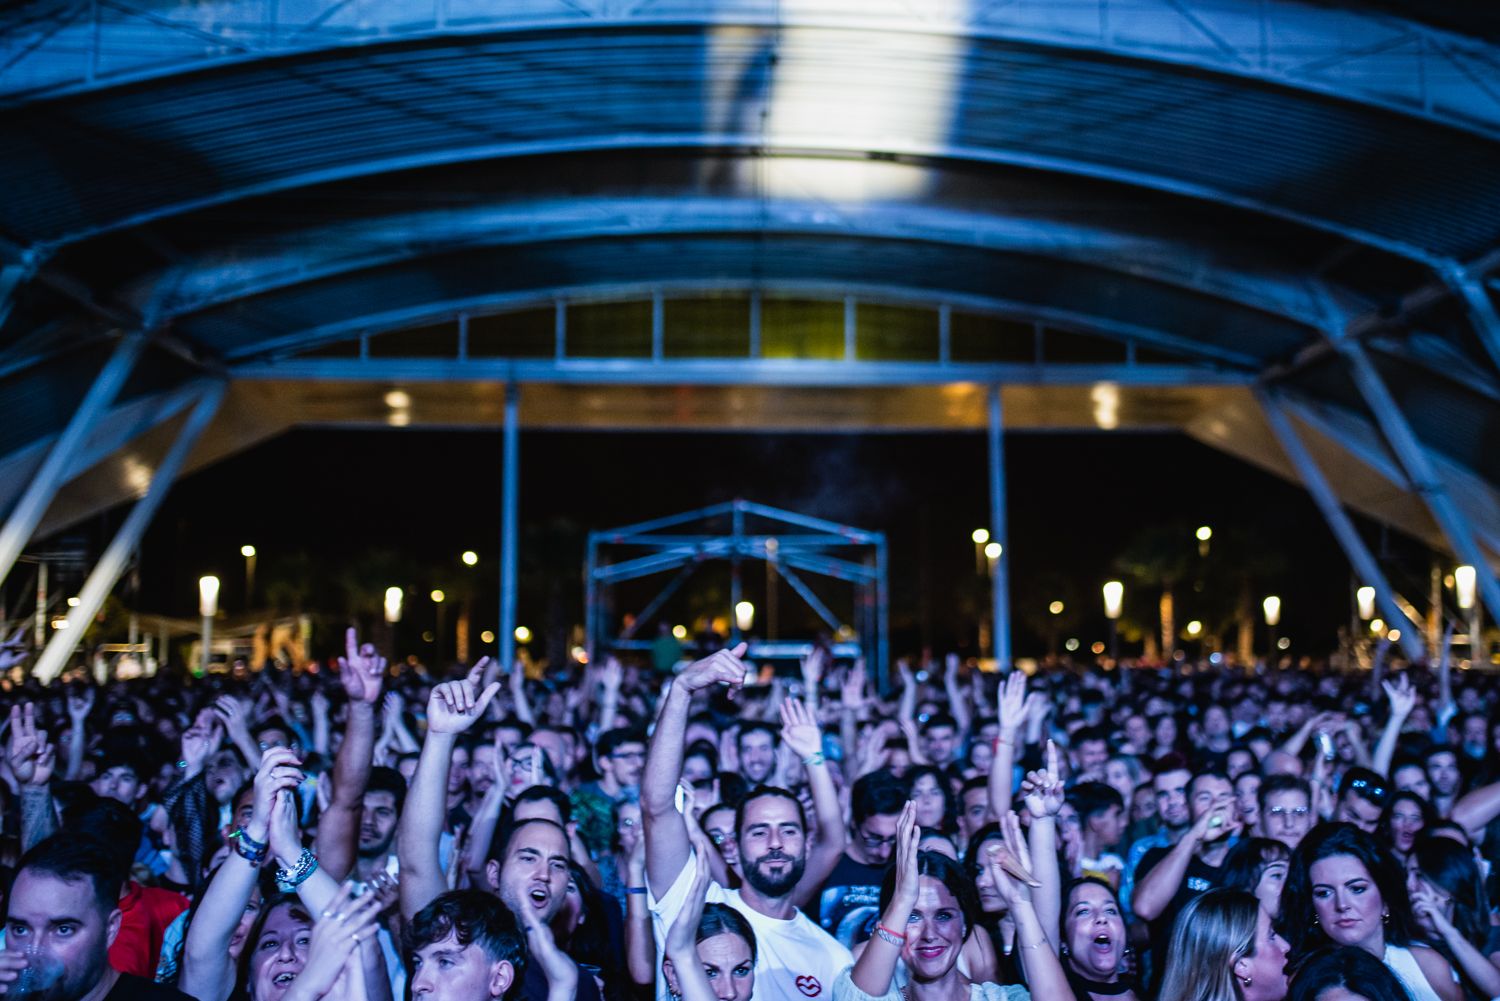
<point x="145" y="913"/>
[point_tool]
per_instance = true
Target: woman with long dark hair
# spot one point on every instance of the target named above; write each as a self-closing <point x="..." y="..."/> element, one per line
<point x="1343" y="888"/>
<point x="1092" y="943"/>
<point x="1405" y="817"/>
<point x="1258" y="866"/>
<point x="1452" y="909"/>
<point x="937" y="809"/>
<point x="1224" y="948"/>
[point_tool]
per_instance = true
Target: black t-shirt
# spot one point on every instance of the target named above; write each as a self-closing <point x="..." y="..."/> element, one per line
<point x="849" y="902"/>
<point x="1200" y="877"/>
<point x="133" y="988"/>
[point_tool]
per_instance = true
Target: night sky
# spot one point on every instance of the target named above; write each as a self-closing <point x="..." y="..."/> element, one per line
<point x="1076" y="499"/>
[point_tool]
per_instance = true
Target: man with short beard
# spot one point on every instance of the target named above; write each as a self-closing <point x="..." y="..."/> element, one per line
<point x="795" y="959"/>
<point x="62" y="917"/>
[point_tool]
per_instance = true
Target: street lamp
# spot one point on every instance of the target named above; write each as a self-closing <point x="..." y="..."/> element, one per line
<point x="440" y="631"/>
<point x="1272" y="607"/>
<point x="1056" y="608"/>
<point x="523" y="635"/>
<point x="1464" y="582"/>
<point x="1114" y="602"/>
<point x="1203" y="534"/>
<point x="470" y="558"/>
<point x="393" y="598"/>
<point x="992" y="551"/>
<point x="744" y="616"/>
<point x="1365" y="599"/>
<point x="208" y="607"/>
<point x="980" y="537"/>
<point x="249" y="553"/>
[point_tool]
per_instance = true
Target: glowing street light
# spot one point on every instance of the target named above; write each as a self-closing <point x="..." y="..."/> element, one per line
<point x="208" y="607"/>
<point x="1055" y="608"/>
<point x="248" y="552"/>
<point x="438" y="596"/>
<point x="980" y="536"/>
<point x="523" y="635"/>
<point x="1365" y="599"/>
<point x="679" y="632"/>
<point x="744" y="616"/>
<point x="1114" y="599"/>
<point x="487" y="637"/>
<point x="1204" y="533"/>
<point x="1464" y="586"/>
<point x="1194" y="628"/>
<point x="1377" y="626"/>
<point x="1272" y="607"/>
<point x="393" y="598"/>
<point x="470" y="557"/>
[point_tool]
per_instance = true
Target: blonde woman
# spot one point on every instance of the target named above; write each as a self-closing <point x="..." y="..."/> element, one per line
<point x="1224" y="949"/>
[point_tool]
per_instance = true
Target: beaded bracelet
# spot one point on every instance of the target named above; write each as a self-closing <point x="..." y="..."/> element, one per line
<point x="252" y="855"/>
<point x="894" y="938"/>
<point x="814" y="759"/>
<point x="305" y="866"/>
<point x="243" y="836"/>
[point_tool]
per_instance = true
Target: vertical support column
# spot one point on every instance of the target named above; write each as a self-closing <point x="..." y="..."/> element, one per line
<point x="28" y="512"/>
<point x="1419" y="470"/>
<point x="591" y="602"/>
<point x="738" y="518"/>
<point x="1001" y="582"/>
<point x="107" y="571"/>
<point x="509" y="503"/>
<point x="882" y="617"/>
<point x="1360" y="558"/>
<point x="39" y="630"/>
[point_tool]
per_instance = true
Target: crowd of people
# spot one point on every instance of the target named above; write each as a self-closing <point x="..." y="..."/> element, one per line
<point x="727" y="831"/>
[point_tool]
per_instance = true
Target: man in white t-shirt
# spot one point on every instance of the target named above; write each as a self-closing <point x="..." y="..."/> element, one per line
<point x="795" y="959"/>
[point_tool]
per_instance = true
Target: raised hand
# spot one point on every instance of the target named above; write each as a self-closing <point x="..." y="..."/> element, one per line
<point x="340" y="930"/>
<point x="559" y="968"/>
<point x="234" y="714"/>
<point x="682" y="936"/>
<point x="853" y="689"/>
<point x="613" y="674"/>
<point x="80" y="705"/>
<point x="13" y="650"/>
<point x="1043" y="789"/>
<point x="318" y="704"/>
<point x="1400" y="694"/>
<point x="454" y="706"/>
<point x="201" y="740"/>
<point x="361" y="669"/>
<point x="950" y="668"/>
<point x="812" y="668"/>
<point x="1013" y="702"/>
<point x="908" y="837"/>
<point x="30" y="755"/>
<point x="723" y="667"/>
<point x="283" y="834"/>
<point x="279" y="772"/>
<point x="799" y="729"/>
<point x="1010" y="863"/>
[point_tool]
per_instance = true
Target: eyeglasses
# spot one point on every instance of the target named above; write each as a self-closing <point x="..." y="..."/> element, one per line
<point x="628" y="755"/>
<point x="1285" y="811"/>
<point x="871" y="841"/>
<point x="627" y="822"/>
<point x="719" y="837"/>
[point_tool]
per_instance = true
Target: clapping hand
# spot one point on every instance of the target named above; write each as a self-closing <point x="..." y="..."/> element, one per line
<point x="1010" y="863"/>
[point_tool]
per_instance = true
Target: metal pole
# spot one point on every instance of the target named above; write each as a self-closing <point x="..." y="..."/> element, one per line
<point x="1001" y="586"/>
<point x="737" y="519"/>
<point x="39" y="630"/>
<point x="107" y="571"/>
<point x="28" y="512"/>
<point x="205" y="652"/>
<point x="509" y="501"/>
<point x="1365" y="566"/>
<point x="1419" y="470"/>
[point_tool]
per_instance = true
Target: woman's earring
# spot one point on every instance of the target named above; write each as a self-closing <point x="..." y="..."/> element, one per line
<point x="1246" y="981"/>
<point x="1385" y="916"/>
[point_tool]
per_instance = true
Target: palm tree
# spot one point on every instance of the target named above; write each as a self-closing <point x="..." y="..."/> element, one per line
<point x="1160" y="556"/>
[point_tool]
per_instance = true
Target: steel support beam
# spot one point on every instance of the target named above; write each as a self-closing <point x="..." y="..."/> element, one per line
<point x="1482" y="315"/>
<point x="1425" y="481"/>
<point x="813" y="602"/>
<point x="1001" y="583"/>
<point x="111" y="565"/>
<point x="28" y="512"/>
<point x="656" y="603"/>
<point x="1360" y="558"/>
<point x="509" y="557"/>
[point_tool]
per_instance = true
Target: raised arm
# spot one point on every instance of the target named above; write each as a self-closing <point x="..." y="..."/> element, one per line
<point x="235" y="716"/>
<point x="1155" y="890"/>
<point x="79" y="707"/>
<point x="956" y="704"/>
<point x="1402" y="700"/>
<point x="1012" y="702"/>
<point x="1044" y="800"/>
<point x="1009" y="865"/>
<point x="906" y="710"/>
<point x="800" y="732"/>
<point x="32" y="758"/>
<point x="207" y="968"/>
<point x="609" y="703"/>
<point x="453" y="707"/>
<point x="1446" y="706"/>
<point x="520" y="702"/>
<point x="812" y="677"/>
<point x="876" y="965"/>
<point x="667" y="845"/>
<point x="362" y="672"/>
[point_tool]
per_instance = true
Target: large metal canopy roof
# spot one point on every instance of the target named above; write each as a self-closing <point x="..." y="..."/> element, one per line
<point x="816" y="214"/>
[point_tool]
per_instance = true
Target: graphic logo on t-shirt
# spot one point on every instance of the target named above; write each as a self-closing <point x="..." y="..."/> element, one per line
<point x="809" y="986"/>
